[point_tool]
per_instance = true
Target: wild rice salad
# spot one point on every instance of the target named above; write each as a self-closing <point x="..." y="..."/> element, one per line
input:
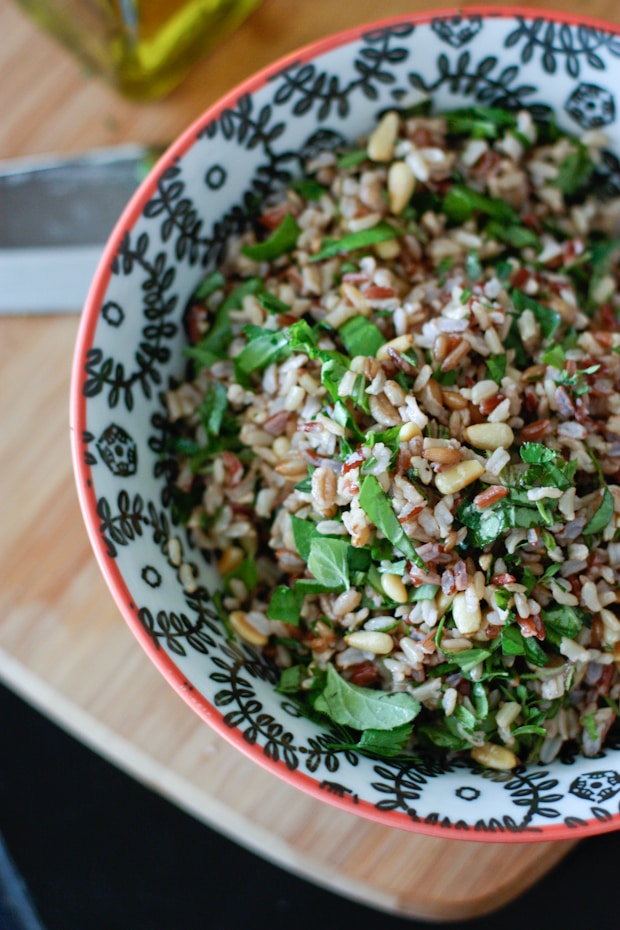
<point x="401" y="438"/>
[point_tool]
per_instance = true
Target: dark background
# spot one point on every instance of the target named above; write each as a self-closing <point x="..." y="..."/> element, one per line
<point x="98" y="851"/>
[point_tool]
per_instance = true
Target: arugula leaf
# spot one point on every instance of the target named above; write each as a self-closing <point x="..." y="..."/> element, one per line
<point x="602" y="515"/>
<point x="263" y="348"/>
<point x="309" y="189"/>
<point x="360" y="336"/>
<point x="511" y="641"/>
<point x="213" y="407"/>
<point x="304" y="531"/>
<point x="213" y="346"/>
<point x="548" y="319"/>
<point x="213" y="282"/>
<point x="377" y="507"/>
<point x="515" y="234"/>
<point x="273" y="304"/>
<point x="386" y="743"/>
<point x="291" y="679"/>
<point x="285" y="605"/>
<point x="363" y="708"/>
<point x="328" y="562"/>
<point x="555" y="356"/>
<point x="356" y="240"/>
<point x="282" y="240"/>
<point x="479" y="122"/>
<point x="352" y="158"/>
<point x="461" y="202"/>
<point x="425" y="592"/>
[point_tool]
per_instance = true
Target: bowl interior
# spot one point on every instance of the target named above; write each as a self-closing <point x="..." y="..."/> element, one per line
<point x="130" y="351"/>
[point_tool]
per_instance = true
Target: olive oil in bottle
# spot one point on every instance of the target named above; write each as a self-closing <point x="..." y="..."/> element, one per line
<point x="144" y="48"/>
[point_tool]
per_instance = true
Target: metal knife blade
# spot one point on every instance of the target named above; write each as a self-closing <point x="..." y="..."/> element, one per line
<point x="55" y="217"/>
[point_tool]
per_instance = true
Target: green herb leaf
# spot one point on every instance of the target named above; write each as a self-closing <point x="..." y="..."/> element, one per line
<point x="548" y="319"/>
<point x="386" y="743"/>
<point x="425" y="592"/>
<point x="480" y="122"/>
<point x="362" y="708"/>
<point x="356" y="240"/>
<point x="309" y="189"/>
<point x="378" y="508"/>
<point x="461" y="202"/>
<point x="511" y="641"/>
<point x="209" y="285"/>
<point x="285" y="605"/>
<point x="282" y="240"/>
<point x="304" y="531"/>
<point x="514" y="234"/>
<point x="360" y="336"/>
<point x="562" y="620"/>
<point x="496" y="367"/>
<point x="291" y="679"/>
<point x="214" y="345"/>
<point x="555" y="356"/>
<point x="602" y="515"/>
<point x="263" y="348"/>
<point x="328" y="562"/>
<point x="213" y="407"/>
<point x="352" y="158"/>
<point x="273" y="304"/>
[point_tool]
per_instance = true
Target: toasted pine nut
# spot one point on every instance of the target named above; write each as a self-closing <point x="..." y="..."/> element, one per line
<point x="443" y="455"/>
<point x="409" y="431"/>
<point x="381" y="142"/>
<point x="489" y="436"/>
<point x="394" y="588"/>
<point x="401" y="185"/>
<point x="387" y="250"/>
<point x="507" y="714"/>
<point x="453" y="400"/>
<point x="443" y="601"/>
<point x="355" y="297"/>
<point x="231" y="558"/>
<point x="370" y="641"/>
<point x="293" y="469"/>
<point x="244" y="629"/>
<point x="458" y="476"/>
<point x="400" y="344"/>
<point x="493" y="756"/>
<point x="466" y="612"/>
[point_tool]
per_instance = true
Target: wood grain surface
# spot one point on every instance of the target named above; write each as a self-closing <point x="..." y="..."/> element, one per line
<point x="63" y="644"/>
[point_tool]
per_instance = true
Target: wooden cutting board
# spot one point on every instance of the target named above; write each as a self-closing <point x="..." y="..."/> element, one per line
<point x="63" y="644"/>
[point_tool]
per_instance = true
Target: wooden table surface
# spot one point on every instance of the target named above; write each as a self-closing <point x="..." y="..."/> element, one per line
<point x="63" y="644"/>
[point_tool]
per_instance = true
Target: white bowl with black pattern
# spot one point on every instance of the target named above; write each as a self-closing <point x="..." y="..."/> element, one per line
<point x="129" y="351"/>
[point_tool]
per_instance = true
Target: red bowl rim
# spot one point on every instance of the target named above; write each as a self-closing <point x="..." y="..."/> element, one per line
<point x="82" y="470"/>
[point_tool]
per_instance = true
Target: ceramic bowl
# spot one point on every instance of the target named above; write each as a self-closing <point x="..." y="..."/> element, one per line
<point x="130" y="347"/>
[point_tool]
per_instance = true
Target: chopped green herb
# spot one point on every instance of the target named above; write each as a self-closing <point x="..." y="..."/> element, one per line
<point x="362" y="239"/>
<point x="272" y="304"/>
<point x="602" y="516"/>
<point x="574" y="172"/>
<point x="461" y="202"/>
<point x="360" y="336"/>
<point x="377" y="507"/>
<point x="548" y="319"/>
<point x="328" y="562"/>
<point x="496" y="367"/>
<point x="282" y="240"/>
<point x="209" y="285"/>
<point x="285" y="605"/>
